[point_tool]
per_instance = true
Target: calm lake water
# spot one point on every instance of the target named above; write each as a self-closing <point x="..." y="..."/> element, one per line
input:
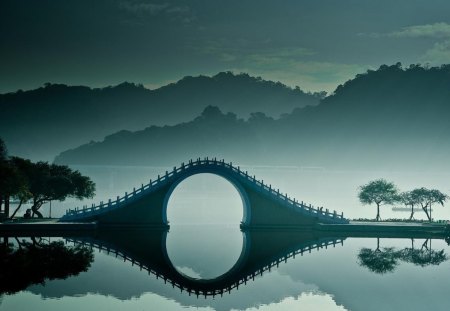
<point x="205" y="262"/>
<point x="352" y="275"/>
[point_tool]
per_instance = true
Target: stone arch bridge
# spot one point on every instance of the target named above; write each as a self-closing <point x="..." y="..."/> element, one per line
<point x="264" y="206"/>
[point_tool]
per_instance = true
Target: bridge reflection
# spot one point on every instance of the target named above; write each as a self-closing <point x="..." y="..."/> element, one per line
<point x="261" y="251"/>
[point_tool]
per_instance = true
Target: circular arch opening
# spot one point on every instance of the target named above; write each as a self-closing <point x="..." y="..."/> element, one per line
<point x="206" y="199"/>
<point x="204" y="212"/>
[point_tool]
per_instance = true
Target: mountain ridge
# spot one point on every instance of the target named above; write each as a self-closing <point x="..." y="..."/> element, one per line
<point x="380" y="119"/>
<point x="40" y="123"/>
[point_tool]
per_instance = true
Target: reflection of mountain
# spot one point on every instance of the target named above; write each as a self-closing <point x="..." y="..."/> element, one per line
<point x="384" y="119"/>
<point x="33" y="262"/>
<point x="42" y="122"/>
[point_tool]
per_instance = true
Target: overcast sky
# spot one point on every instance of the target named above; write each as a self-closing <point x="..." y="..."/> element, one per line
<point x="315" y="44"/>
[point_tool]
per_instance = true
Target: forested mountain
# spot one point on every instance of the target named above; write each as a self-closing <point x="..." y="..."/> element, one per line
<point x="390" y="118"/>
<point x="40" y="123"/>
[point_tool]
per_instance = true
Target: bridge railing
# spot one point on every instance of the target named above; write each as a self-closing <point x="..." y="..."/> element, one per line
<point x="169" y="175"/>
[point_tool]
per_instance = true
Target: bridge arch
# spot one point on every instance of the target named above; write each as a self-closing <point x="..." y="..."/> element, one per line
<point x="264" y="207"/>
<point x="247" y="211"/>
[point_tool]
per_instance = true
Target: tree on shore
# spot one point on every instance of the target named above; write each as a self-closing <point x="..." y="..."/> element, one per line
<point x="50" y="182"/>
<point x="410" y="199"/>
<point x="379" y="192"/>
<point x="427" y="197"/>
<point x="39" y="182"/>
<point x="12" y="182"/>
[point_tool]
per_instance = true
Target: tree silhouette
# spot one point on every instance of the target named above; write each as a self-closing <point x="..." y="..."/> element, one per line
<point x="409" y="198"/>
<point x="12" y="181"/>
<point x="379" y="192"/>
<point x="48" y="182"/>
<point x="427" y="197"/>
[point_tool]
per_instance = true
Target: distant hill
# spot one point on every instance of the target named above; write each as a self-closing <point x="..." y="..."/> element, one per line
<point x="40" y="123"/>
<point x="390" y="118"/>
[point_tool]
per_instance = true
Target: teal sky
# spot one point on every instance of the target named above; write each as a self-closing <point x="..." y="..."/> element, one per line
<point x="315" y="44"/>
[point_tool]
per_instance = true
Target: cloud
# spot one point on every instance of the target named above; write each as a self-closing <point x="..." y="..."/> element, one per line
<point x="291" y="65"/>
<point x="139" y="7"/>
<point x="308" y="75"/>
<point x="142" y="9"/>
<point x="438" y="54"/>
<point x="437" y="30"/>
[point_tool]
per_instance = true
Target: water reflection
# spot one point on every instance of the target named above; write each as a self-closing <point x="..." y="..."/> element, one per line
<point x="36" y="260"/>
<point x="261" y="251"/>
<point x="135" y="264"/>
<point x="204" y="252"/>
<point x="386" y="259"/>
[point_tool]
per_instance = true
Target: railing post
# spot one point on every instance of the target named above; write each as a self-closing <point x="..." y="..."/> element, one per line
<point x="126" y="195"/>
<point x="117" y="200"/>
<point x="142" y="187"/>
<point x="109" y="202"/>
<point x="159" y="178"/>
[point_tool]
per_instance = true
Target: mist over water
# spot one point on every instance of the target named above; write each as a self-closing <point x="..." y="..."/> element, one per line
<point x="335" y="190"/>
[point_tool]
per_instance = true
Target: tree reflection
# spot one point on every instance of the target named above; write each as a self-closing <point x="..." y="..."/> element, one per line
<point x="33" y="262"/>
<point x="425" y="256"/>
<point x="386" y="260"/>
<point x="379" y="261"/>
